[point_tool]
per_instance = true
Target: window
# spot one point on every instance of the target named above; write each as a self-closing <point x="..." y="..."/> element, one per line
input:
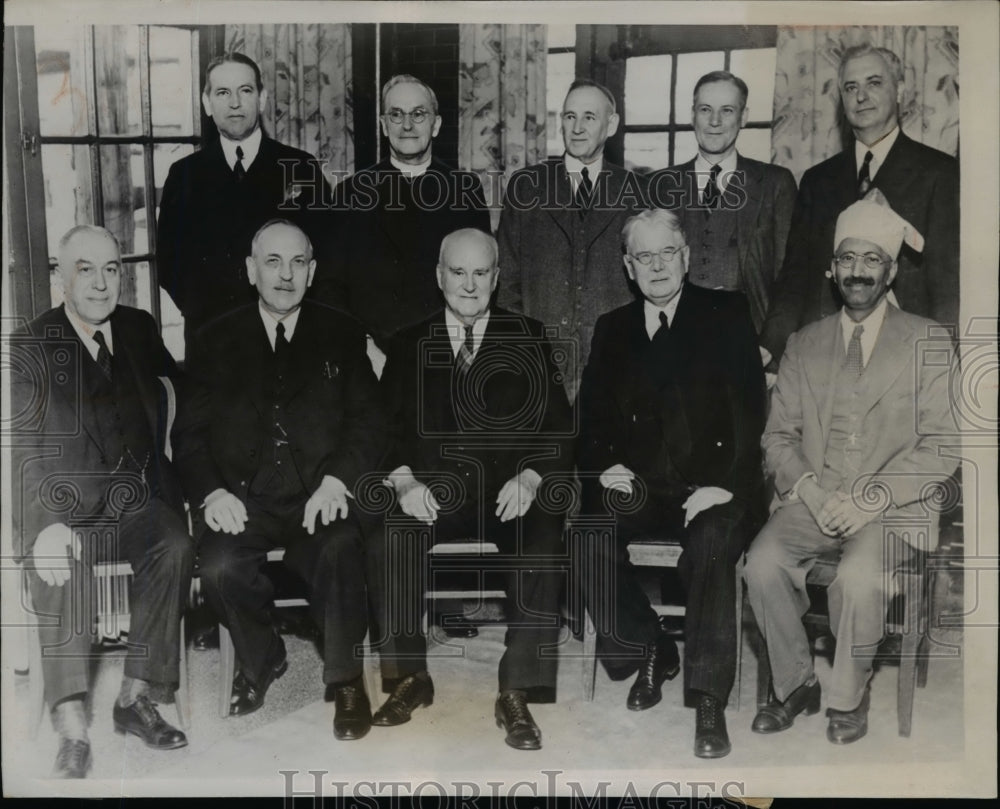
<point x="658" y="92"/>
<point x="560" y="70"/>
<point x="117" y="105"/>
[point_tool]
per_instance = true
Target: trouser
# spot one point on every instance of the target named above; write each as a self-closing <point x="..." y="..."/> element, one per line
<point x="532" y="558"/>
<point x="778" y="562"/>
<point x="155" y="542"/>
<point x="330" y="562"/>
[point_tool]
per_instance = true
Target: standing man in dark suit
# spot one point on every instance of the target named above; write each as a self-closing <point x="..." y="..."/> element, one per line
<point x="736" y="211"/>
<point x="480" y="420"/>
<point x="215" y="199"/>
<point x="671" y="412"/>
<point x="560" y="228"/>
<point x="283" y="418"/>
<point x="920" y="183"/>
<point x="96" y="486"/>
<point x="389" y="220"/>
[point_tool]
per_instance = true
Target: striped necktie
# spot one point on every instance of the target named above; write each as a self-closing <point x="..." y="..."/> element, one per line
<point x="465" y="351"/>
<point x="103" y="355"/>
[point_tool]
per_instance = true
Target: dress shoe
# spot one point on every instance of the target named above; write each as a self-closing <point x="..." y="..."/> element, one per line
<point x="73" y="759"/>
<point x="455" y="627"/>
<point x="248" y="696"/>
<point x="848" y="726"/>
<point x="143" y="720"/>
<point x="662" y="663"/>
<point x="711" y="740"/>
<point x="353" y="716"/>
<point x="512" y="715"/>
<point x="412" y="692"/>
<point x="776" y="715"/>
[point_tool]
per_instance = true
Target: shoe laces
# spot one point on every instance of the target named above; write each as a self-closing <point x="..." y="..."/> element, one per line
<point x="648" y="669"/>
<point x="147" y="710"/>
<point x="516" y="708"/>
<point x="349" y="697"/>
<point x="708" y="712"/>
<point x="71" y="756"/>
<point x="406" y="690"/>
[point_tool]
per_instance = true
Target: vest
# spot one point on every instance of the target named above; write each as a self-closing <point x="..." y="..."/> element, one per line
<point x="848" y="443"/>
<point x="714" y="261"/>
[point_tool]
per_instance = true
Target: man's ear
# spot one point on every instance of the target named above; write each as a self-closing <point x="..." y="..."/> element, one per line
<point x="251" y="271"/>
<point x="206" y="105"/>
<point x="261" y="102"/>
<point x="744" y="117"/>
<point x="437" y="126"/>
<point x="312" y="272"/>
<point x="628" y="266"/>
<point x="613" y="121"/>
<point x="893" y="268"/>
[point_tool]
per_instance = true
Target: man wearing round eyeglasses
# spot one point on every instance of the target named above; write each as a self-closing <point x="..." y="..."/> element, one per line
<point x="672" y="408"/>
<point x="852" y="441"/>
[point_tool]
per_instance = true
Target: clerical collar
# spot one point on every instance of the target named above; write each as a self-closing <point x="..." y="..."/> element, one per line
<point x="250" y="146"/>
<point x="86" y="332"/>
<point x="411" y="170"/>
<point x="879" y="151"/>
<point x="702" y="167"/>
<point x="456" y="331"/>
<point x="271" y="323"/>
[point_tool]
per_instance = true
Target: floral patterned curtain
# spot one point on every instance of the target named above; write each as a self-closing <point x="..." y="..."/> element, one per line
<point x="501" y="123"/>
<point x="808" y="126"/>
<point x="307" y="73"/>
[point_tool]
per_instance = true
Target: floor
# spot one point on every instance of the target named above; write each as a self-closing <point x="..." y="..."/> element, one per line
<point x="454" y="745"/>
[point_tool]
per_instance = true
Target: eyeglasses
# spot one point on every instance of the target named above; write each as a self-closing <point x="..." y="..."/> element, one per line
<point x="417" y="116"/>
<point x="847" y="261"/>
<point x="667" y="254"/>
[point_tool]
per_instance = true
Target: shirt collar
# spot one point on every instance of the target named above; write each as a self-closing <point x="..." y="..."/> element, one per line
<point x="271" y="323"/>
<point x="651" y="313"/>
<point x="86" y="331"/>
<point x="879" y="151"/>
<point x="250" y="146"/>
<point x="574" y="168"/>
<point x="872" y="324"/>
<point x="456" y="331"/>
<point x="409" y="170"/>
<point x="726" y="168"/>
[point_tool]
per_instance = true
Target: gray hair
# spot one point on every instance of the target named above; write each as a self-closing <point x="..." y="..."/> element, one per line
<point x="406" y="78"/>
<point x="856" y="51"/>
<point x="652" y="216"/>
<point x="462" y="233"/>
<point x="97" y="230"/>
<point x="255" y="243"/>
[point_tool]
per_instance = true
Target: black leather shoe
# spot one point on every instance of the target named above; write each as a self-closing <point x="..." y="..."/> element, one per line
<point x="777" y="716"/>
<point x="848" y="726"/>
<point x="512" y="715"/>
<point x="412" y="692"/>
<point x="73" y="759"/>
<point x="711" y="740"/>
<point x="249" y="696"/>
<point x="662" y="663"/>
<point x="143" y="720"/>
<point x="353" y="717"/>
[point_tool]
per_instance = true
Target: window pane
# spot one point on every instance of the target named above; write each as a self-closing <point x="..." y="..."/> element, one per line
<point x="560" y="71"/>
<point x="173" y="67"/>
<point x="124" y="196"/>
<point x="756" y="68"/>
<point x="647" y="89"/>
<point x="63" y="80"/>
<point x="116" y="65"/>
<point x="68" y="198"/>
<point x="560" y="36"/>
<point x="164" y="156"/>
<point x="135" y="285"/>
<point x="755" y="143"/>
<point x="690" y="68"/>
<point x="685" y="147"/>
<point x="645" y="151"/>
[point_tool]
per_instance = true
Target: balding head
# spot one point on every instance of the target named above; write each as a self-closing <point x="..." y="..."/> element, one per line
<point x="90" y="267"/>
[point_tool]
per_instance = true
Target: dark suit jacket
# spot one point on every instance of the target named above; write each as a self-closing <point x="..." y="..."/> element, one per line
<point x="709" y="414"/>
<point x="208" y="219"/>
<point x="65" y="472"/>
<point x="763" y="196"/>
<point x="335" y="419"/>
<point x="384" y="248"/>
<point x="515" y="417"/>
<point x="543" y="274"/>
<point x="921" y="185"/>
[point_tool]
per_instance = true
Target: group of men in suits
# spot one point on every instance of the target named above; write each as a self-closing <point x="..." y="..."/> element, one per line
<point x="669" y="315"/>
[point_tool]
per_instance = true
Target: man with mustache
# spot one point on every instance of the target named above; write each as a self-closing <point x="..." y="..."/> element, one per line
<point x="861" y="401"/>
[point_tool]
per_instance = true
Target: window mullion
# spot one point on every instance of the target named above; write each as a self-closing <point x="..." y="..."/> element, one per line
<point x="93" y="125"/>
<point x="149" y="195"/>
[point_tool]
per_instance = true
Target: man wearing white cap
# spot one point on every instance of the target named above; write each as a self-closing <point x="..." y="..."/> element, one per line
<point x="857" y="418"/>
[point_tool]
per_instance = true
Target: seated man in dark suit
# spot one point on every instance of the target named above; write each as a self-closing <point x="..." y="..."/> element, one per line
<point x="95" y="486"/>
<point x="672" y="407"/>
<point x="480" y="418"/>
<point x="283" y="418"/>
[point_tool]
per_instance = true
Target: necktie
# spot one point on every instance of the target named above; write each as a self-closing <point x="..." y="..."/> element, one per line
<point x="854" y="358"/>
<point x="864" y="176"/>
<point x="663" y="331"/>
<point x="280" y="341"/>
<point x="465" y="351"/>
<point x="238" y="168"/>
<point x="103" y="355"/>
<point x="584" y="191"/>
<point x="710" y="194"/>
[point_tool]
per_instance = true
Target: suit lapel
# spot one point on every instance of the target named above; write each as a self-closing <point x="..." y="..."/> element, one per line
<point x="746" y="216"/>
<point x="557" y="181"/>
<point x="889" y="356"/>
<point x="603" y="210"/>
<point x="897" y="172"/>
<point x="301" y="348"/>
<point x="821" y="375"/>
<point x="126" y="345"/>
<point x="70" y="390"/>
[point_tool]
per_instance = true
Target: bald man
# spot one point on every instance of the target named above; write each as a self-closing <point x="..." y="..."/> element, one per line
<point x="95" y="486"/>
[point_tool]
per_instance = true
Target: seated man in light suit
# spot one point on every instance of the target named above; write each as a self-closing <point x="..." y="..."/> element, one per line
<point x="858" y="404"/>
<point x="96" y="486"/>
<point x="480" y="416"/>
<point x="283" y="418"/>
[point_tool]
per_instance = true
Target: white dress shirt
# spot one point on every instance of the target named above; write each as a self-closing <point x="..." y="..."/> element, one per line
<point x="879" y="152"/>
<point x="271" y="323"/>
<point x="574" y="168"/>
<point x="456" y="331"/>
<point x="250" y="146"/>
<point x="85" y="332"/>
<point x="872" y="324"/>
<point x="651" y="313"/>
<point x="702" y="167"/>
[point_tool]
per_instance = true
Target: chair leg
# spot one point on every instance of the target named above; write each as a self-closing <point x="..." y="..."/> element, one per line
<point x="227" y="667"/>
<point x="589" y="656"/>
<point x="913" y="634"/>
<point x="923" y="660"/>
<point x="183" y="695"/>
<point x="36" y="681"/>
<point x="765" y="685"/>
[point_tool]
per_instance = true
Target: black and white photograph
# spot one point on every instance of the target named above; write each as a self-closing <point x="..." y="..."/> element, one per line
<point x="500" y="400"/>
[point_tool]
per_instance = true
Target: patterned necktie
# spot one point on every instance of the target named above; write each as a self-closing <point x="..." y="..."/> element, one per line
<point x="584" y="192"/>
<point x="465" y="355"/>
<point x="239" y="170"/>
<point x="864" y="176"/>
<point x="855" y="363"/>
<point x="103" y="355"/>
<point x="710" y="194"/>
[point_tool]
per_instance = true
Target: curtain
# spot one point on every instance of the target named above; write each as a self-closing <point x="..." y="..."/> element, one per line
<point x="501" y="90"/>
<point x="307" y="74"/>
<point x="808" y="125"/>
